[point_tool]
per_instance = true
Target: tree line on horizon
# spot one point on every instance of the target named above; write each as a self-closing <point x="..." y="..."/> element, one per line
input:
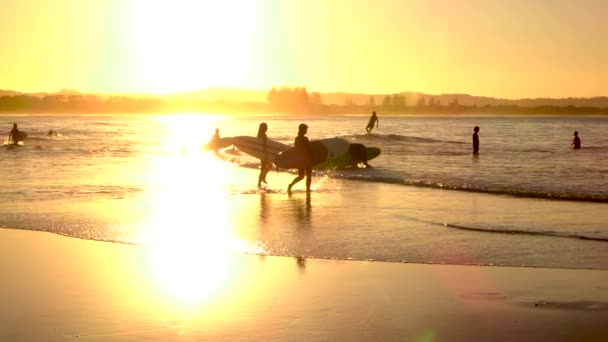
<point x="288" y="100"/>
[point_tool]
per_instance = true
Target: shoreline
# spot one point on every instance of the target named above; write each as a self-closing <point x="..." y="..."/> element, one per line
<point x="312" y="258"/>
<point x="61" y="288"/>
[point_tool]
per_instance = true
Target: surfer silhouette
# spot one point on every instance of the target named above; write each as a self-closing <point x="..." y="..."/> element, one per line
<point x="214" y="143"/>
<point x="372" y="120"/>
<point x="303" y="144"/>
<point x="265" y="164"/>
<point x="13" y="135"/>
<point x="576" y="142"/>
<point x="475" y="140"/>
<point x="358" y="154"/>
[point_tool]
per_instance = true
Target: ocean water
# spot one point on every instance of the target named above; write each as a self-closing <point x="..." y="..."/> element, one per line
<point x="528" y="198"/>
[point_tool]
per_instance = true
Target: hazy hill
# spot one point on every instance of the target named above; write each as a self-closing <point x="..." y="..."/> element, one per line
<point x="411" y="98"/>
<point x="342" y="98"/>
<point x="219" y="94"/>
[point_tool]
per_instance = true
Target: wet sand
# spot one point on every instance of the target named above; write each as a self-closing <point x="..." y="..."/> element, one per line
<point x="55" y="288"/>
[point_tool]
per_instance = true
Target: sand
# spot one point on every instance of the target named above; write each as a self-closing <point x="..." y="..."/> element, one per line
<point x="55" y="288"/>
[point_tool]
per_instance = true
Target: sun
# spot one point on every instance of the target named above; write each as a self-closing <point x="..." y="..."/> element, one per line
<point x="192" y="44"/>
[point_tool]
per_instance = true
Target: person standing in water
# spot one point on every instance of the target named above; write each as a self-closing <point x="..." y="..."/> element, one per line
<point x="13" y="135"/>
<point x="303" y="144"/>
<point x="576" y="142"/>
<point x="475" y="140"/>
<point x="265" y="164"/>
<point x="372" y="120"/>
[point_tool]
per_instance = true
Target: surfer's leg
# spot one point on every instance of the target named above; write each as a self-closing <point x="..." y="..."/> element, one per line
<point x="308" y="178"/>
<point x="268" y="167"/>
<point x="296" y="180"/>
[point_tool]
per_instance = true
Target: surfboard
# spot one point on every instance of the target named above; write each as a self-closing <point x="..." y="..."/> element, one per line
<point x="344" y="160"/>
<point x="253" y="146"/>
<point x="22" y="136"/>
<point x="321" y="151"/>
<point x="18" y="138"/>
<point x="223" y="143"/>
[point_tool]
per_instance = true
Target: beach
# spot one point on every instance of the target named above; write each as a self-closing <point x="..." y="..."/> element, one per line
<point x="56" y="288"/>
<point x="123" y="228"/>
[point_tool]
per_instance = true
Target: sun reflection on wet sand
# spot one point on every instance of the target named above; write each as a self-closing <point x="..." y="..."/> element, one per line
<point x="191" y="223"/>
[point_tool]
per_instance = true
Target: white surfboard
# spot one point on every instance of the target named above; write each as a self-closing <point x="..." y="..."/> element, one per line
<point x="253" y="146"/>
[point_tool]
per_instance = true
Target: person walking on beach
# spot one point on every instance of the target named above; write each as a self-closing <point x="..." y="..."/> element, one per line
<point x="265" y="164"/>
<point x="372" y="120"/>
<point x="13" y="135"/>
<point x="576" y="142"/>
<point x="475" y="140"/>
<point x="303" y="144"/>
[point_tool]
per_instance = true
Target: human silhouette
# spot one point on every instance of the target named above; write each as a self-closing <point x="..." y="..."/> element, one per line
<point x="358" y="154"/>
<point x="372" y="120"/>
<point x="475" y="140"/>
<point x="14" y="135"/>
<point x="303" y="144"/>
<point x="214" y="143"/>
<point x="576" y="142"/>
<point x="265" y="163"/>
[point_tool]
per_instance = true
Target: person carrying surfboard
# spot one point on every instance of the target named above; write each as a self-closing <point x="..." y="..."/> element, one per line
<point x="14" y="135"/>
<point x="372" y="120"/>
<point x="214" y="143"/>
<point x="265" y="164"/>
<point x="303" y="144"/>
<point x="358" y="154"/>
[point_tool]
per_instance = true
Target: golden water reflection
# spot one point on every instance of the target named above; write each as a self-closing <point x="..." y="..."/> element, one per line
<point x="190" y="222"/>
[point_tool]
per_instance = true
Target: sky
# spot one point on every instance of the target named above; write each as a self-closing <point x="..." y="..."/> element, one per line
<point x="498" y="48"/>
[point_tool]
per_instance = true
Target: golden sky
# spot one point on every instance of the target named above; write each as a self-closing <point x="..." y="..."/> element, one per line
<point x="501" y="48"/>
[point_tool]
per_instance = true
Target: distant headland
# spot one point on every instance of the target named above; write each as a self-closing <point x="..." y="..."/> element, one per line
<point x="292" y="100"/>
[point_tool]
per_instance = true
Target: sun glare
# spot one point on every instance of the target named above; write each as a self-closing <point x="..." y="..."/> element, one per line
<point x="191" y="44"/>
<point x="188" y="225"/>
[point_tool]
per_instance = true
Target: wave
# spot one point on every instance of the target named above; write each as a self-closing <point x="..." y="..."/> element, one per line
<point x="525" y="232"/>
<point x="377" y="176"/>
<point x="398" y="137"/>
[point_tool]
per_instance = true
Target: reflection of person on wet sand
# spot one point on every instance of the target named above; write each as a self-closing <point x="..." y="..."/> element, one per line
<point x="303" y="144"/>
<point x="475" y="140"/>
<point x="576" y="142"/>
<point x="303" y="211"/>
<point x="265" y="164"/>
<point x="301" y="263"/>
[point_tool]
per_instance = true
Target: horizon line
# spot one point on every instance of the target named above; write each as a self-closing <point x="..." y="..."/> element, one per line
<point x="164" y="94"/>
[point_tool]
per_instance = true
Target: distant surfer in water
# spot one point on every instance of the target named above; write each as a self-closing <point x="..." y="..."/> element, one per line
<point x="13" y="135"/>
<point x="303" y="144"/>
<point x="373" y="120"/>
<point x="576" y="142"/>
<point x="265" y="164"/>
<point x="475" y="140"/>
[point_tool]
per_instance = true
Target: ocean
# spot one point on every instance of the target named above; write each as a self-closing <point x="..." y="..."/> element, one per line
<point x="528" y="199"/>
